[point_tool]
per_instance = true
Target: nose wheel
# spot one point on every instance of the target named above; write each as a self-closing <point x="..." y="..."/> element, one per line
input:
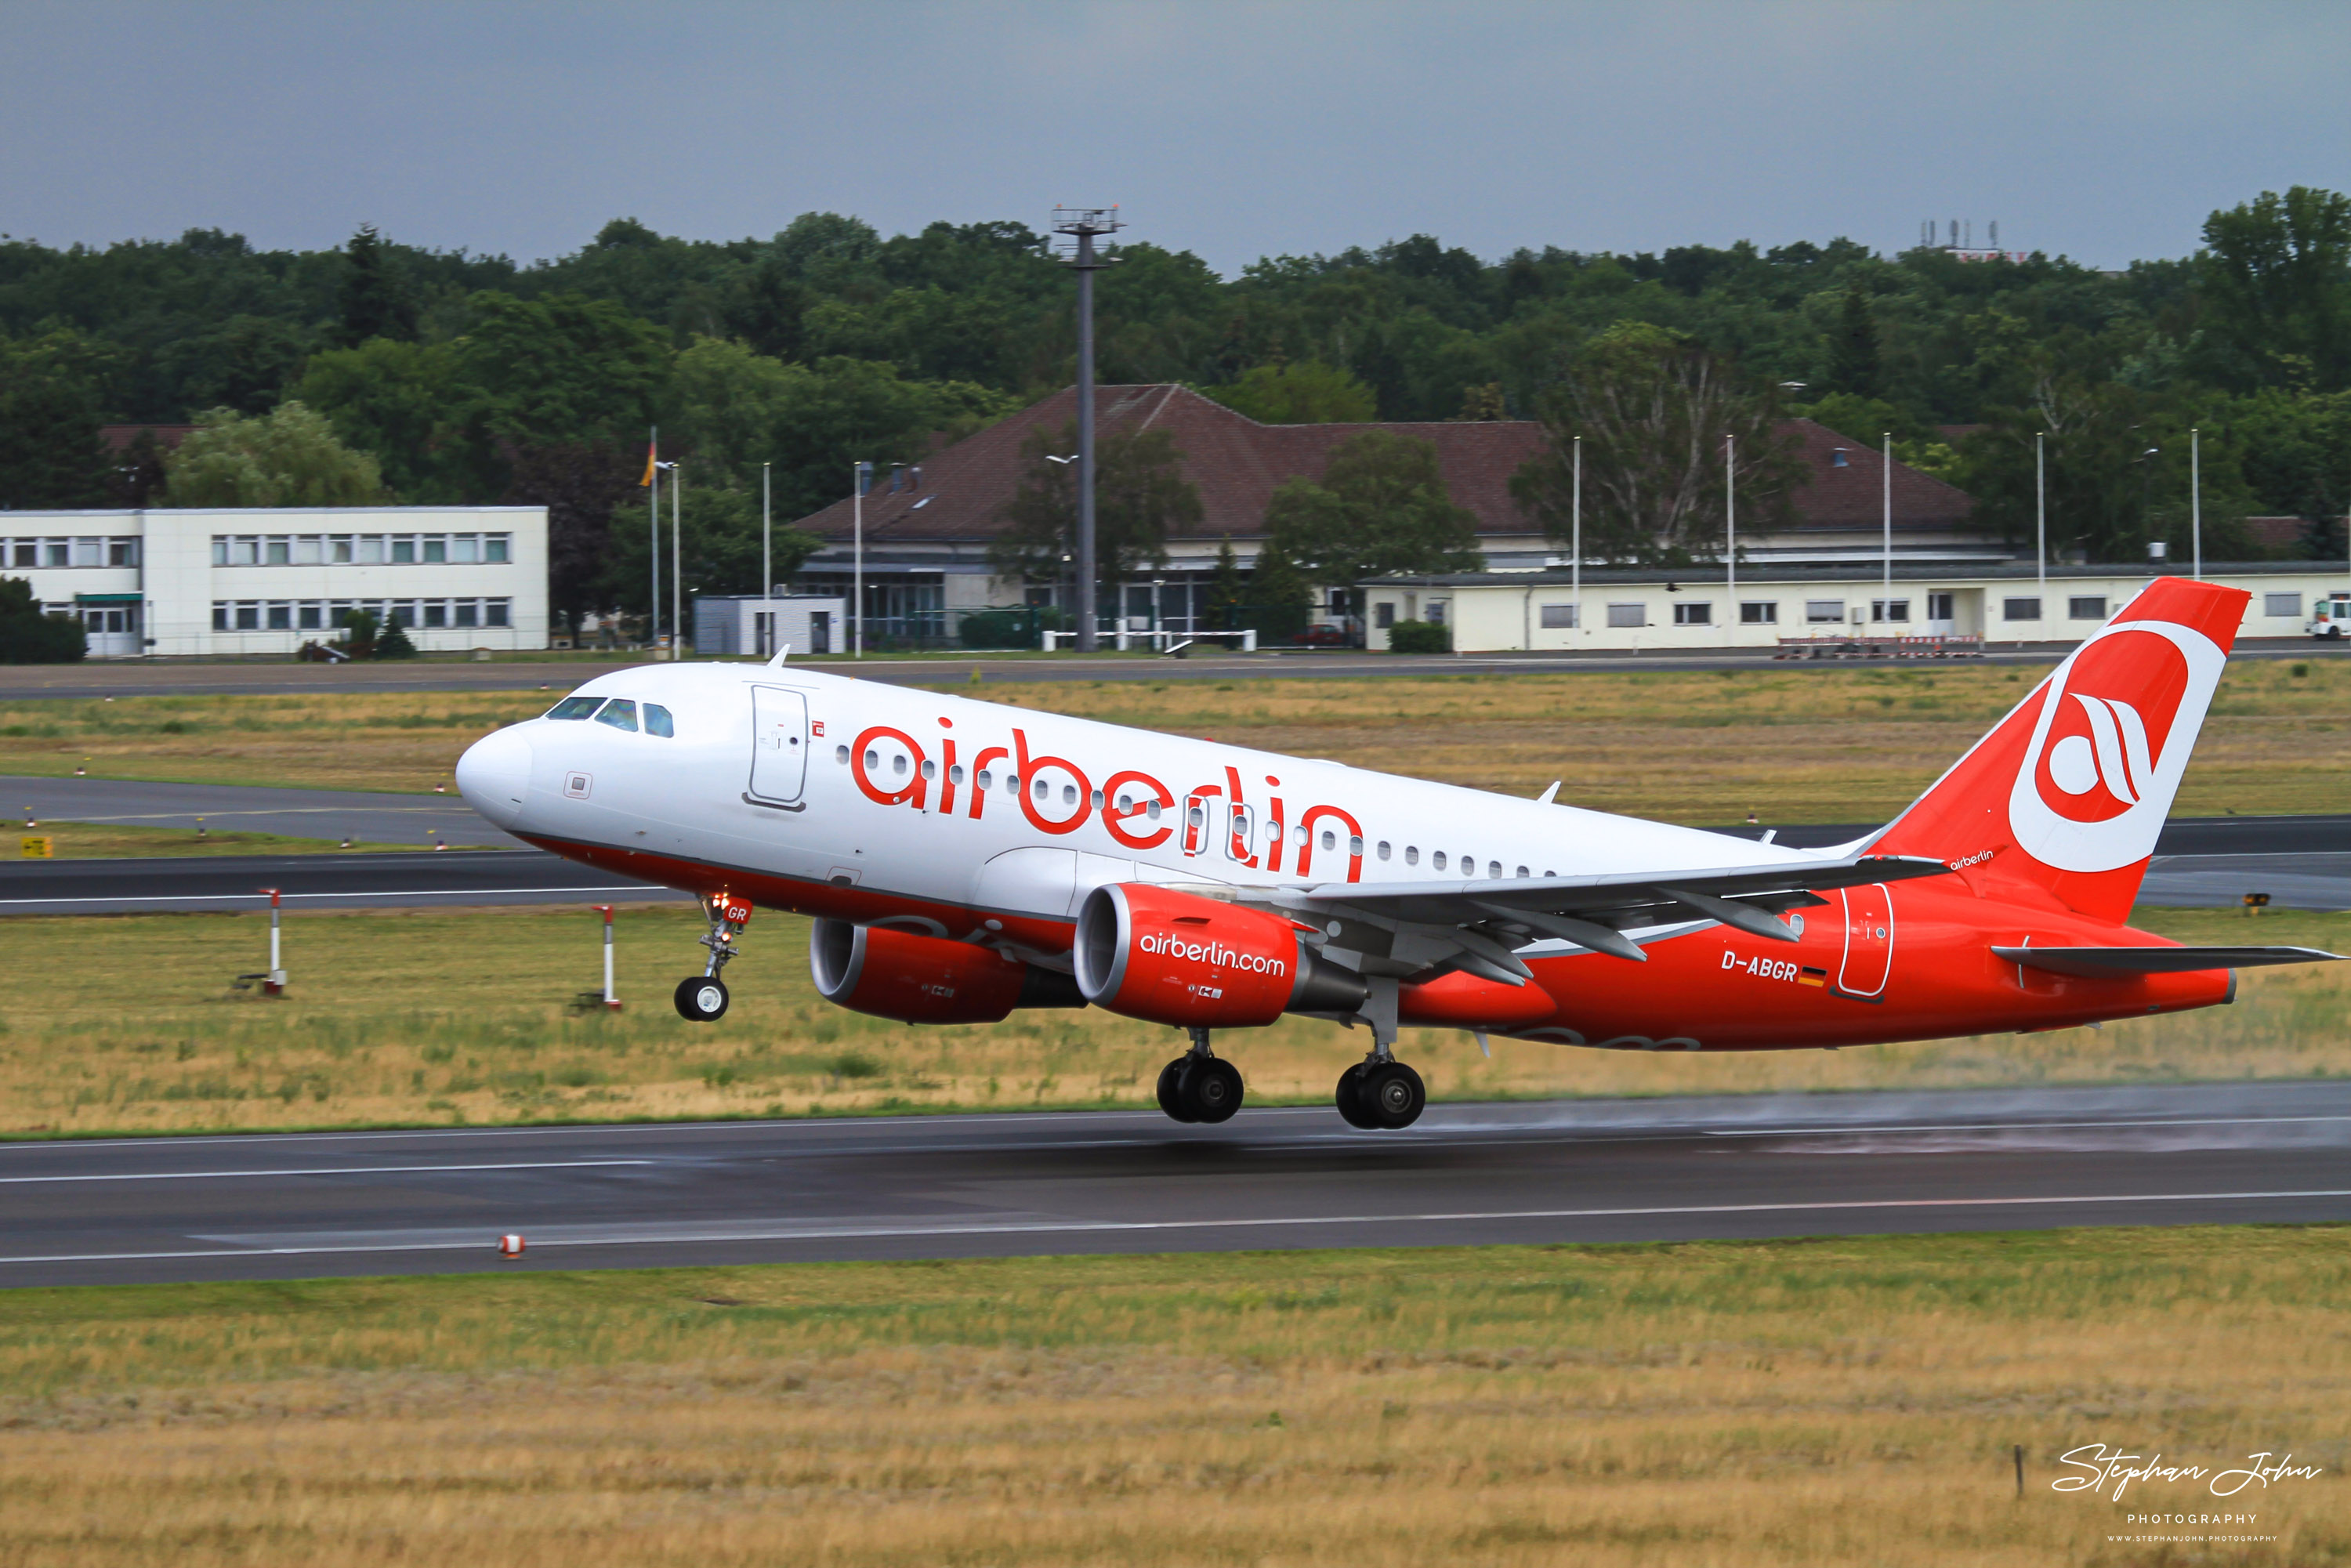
<point x="1199" y="1087"/>
<point x="1377" y="1096"/>
<point x="702" y="998"/>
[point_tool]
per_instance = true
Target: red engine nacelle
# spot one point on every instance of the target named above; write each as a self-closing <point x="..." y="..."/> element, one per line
<point x="1176" y="958"/>
<point x="914" y="979"/>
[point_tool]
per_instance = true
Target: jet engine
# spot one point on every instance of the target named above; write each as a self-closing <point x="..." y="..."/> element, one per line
<point x="914" y="979"/>
<point x="1174" y="957"/>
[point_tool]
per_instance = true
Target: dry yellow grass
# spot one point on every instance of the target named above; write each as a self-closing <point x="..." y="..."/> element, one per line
<point x="1791" y="745"/>
<point x="115" y="841"/>
<point x="1796" y="1403"/>
<point x="453" y="1017"/>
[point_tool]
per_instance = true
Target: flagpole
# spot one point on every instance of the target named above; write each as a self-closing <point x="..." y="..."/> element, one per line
<point x="1575" y="559"/>
<point x="676" y="604"/>
<point x="767" y="548"/>
<point x="2041" y="524"/>
<point x="652" y="605"/>
<point x="1887" y="482"/>
<point x="1731" y="526"/>
<point x="857" y="580"/>
<point x="2195" y="495"/>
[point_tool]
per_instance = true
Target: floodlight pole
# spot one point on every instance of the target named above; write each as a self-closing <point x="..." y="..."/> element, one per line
<point x="1887" y="489"/>
<point x="653" y="548"/>
<point x="766" y="538"/>
<point x="676" y="555"/>
<point x="857" y="558"/>
<point x="2196" y="496"/>
<point x="1083" y="225"/>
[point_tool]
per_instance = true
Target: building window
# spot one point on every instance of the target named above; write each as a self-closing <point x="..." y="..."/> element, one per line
<point x="2285" y="604"/>
<point x="403" y="550"/>
<point x="469" y="613"/>
<point x="494" y="612"/>
<point x="2020" y="610"/>
<point x="220" y="616"/>
<point x="248" y="617"/>
<point x="1823" y="612"/>
<point x="338" y="548"/>
<point x="220" y="549"/>
<point x="27" y="553"/>
<point x="402" y="614"/>
<point x="1837" y="459"/>
<point x="90" y="551"/>
<point x="281" y="617"/>
<point x="281" y="550"/>
<point x="370" y="550"/>
<point x="308" y="549"/>
<point x="494" y="549"/>
<point x="1766" y="613"/>
<point x="1559" y="617"/>
<point x="123" y="551"/>
<point x="436" y="614"/>
<point x="2086" y="607"/>
<point x="247" y="551"/>
<point x="464" y="549"/>
<point x="1688" y="613"/>
<point x="312" y="613"/>
<point x="1628" y="615"/>
<point x="1437" y="613"/>
<point x="1383" y="614"/>
<point x="436" y="549"/>
<point x="1893" y="609"/>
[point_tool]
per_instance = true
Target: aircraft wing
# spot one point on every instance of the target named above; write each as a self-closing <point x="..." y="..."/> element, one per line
<point x="2122" y="962"/>
<point x="1488" y="918"/>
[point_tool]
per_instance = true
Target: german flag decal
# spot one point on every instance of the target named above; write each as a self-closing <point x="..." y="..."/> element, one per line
<point x="1808" y="976"/>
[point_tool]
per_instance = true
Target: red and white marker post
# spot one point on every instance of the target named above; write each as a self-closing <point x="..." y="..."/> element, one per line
<point x="510" y="1245"/>
<point x="610" y="1001"/>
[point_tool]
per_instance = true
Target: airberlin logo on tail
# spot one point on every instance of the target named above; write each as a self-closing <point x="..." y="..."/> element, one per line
<point x="2118" y="721"/>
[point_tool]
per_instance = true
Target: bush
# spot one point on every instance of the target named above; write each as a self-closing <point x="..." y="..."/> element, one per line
<point x="392" y="642"/>
<point x="29" y="637"/>
<point x="1419" y="637"/>
<point x="1013" y="628"/>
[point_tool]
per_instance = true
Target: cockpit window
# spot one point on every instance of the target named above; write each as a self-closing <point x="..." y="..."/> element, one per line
<point x="620" y="713"/>
<point x="574" y="707"/>
<point x="657" y="721"/>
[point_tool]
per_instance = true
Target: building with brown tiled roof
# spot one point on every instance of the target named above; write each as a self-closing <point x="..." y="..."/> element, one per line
<point x="927" y="528"/>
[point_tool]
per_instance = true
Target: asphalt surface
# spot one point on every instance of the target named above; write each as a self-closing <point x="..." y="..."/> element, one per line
<point x="2302" y="862"/>
<point x="1580" y="1171"/>
<point x="272" y="678"/>
<point x="335" y="814"/>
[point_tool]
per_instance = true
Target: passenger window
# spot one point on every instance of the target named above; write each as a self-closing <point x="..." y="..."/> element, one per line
<point x="620" y="713"/>
<point x="1411" y="854"/>
<point x="1384" y="848"/>
<point x="1438" y="860"/>
<point x="574" y="707"/>
<point x="657" y="721"/>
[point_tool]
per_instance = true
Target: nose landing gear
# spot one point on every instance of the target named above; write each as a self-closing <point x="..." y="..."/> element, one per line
<point x="702" y="998"/>
<point x="1198" y="1086"/>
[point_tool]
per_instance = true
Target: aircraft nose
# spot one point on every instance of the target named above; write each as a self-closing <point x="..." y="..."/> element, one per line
<point x="494" y="775"/>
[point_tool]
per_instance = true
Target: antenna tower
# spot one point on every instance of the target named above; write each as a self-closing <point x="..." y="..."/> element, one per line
<point x="1083" y="226"/>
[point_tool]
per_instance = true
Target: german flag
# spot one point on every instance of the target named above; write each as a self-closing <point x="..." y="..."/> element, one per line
<point x="1808" y="976"/>
<point x="653" y="451"/>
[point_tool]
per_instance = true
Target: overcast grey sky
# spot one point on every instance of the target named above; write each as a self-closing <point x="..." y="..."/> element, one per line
<point x="2101" y="130"/>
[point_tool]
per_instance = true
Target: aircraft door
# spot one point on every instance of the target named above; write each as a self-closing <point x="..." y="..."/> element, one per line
<point x="1868" y="941"/>
<point x="778" y="743"/>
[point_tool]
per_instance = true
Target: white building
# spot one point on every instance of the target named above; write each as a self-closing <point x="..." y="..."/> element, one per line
<point x="192" y="582"/>
<point x="1624" y="610"/>
<point x="731" y="624"/>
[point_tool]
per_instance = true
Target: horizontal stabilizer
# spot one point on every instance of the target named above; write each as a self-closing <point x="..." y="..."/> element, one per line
<point x="2121" y="963"/>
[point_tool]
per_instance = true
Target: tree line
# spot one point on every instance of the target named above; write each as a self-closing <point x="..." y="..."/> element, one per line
<point x="449" y="377"/>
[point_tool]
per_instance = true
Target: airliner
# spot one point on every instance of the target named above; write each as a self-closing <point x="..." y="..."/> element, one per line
<point x="962" y="859"/>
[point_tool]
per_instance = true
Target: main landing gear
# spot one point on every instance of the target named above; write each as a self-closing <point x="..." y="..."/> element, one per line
<point x="1381" y="1092"/>
<point x="702" y="998"/>
<point x="1200" y="1086"/>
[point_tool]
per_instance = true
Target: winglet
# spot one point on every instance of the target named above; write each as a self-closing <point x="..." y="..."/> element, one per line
<point x="781" y="654"/>
<point x="1548" y="796"/>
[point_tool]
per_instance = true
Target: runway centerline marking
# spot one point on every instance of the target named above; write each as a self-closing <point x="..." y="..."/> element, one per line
<point x="1100" y="1227"/>
<point x="326" y="1170"/>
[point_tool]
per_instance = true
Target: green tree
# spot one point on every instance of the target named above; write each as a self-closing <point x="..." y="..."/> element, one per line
<point x="1281" y="596"/>
<point x="29" y="637"/>
<point x="718" y="547"/>
<point x="375" y="300"/>
<point x="2298" y="461"/>
<point x="1652" y="409"/>
<point x="1228" y="590"/>
<point x="2276" y="274"/>
<point x="288" y="457"/>
<point x="1140" y="497"/>
<point x="1380" y="507"/>
<point x="1854" y="367"/>
<point x="562" y="368"/>
<point x="52" y="401"/>
<point x="398" y="402"/>
<point x="1306" y="392"/>
<point x="244" y="363"/>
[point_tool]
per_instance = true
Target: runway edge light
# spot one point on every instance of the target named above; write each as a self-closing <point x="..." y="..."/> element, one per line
<point x="510" y="1246"/>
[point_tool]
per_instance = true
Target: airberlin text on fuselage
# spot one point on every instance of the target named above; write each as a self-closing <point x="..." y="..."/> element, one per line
<point x="1126" y="800"/>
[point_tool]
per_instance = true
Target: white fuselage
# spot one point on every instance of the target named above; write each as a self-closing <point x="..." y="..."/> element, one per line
<point x="833" y="795"/>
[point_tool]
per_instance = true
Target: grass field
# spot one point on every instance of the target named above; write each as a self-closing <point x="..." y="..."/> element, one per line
<point x="1790" y="1403"/>
<point x="1790" y="745"/>
<point x="460" y="1017"/>
<point x="113" y="840"/>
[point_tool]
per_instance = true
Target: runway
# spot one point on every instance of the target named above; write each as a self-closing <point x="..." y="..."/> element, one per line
<point x="2302" y="862"/>
<point x="1578" y="1171"/>
<point x="274" y="678"/>
<point x="332" y="814"/>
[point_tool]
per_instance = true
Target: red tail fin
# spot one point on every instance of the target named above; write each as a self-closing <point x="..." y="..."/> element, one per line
<point x="2064" y="798"/>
